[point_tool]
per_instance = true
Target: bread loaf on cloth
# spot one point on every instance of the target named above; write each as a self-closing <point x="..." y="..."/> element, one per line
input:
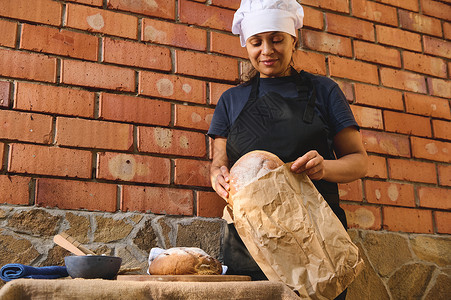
<point x="184" y="261"/>
<point x="289" y="229"/>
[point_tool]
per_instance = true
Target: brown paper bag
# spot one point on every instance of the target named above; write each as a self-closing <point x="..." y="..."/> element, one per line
<point x="294" y="236"/>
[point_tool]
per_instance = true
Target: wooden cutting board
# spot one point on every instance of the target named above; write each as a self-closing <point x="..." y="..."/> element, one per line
<point x="200" y="278"/>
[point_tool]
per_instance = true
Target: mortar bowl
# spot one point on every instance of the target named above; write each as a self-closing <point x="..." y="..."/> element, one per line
<point x="93" y="266"/>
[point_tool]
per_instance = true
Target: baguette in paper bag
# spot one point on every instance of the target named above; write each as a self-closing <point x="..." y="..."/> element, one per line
<point x="293" y="234"/>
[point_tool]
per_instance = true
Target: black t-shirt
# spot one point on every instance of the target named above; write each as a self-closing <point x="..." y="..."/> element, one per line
<point x="331" y="104"/>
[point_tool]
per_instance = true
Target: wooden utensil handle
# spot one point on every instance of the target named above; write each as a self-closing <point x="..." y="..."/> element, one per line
<point x="76" y="243"/>
<point x="69" y="243"/>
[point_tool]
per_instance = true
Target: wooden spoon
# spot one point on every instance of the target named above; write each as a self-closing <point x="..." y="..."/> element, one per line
<point x="70" y="244"/>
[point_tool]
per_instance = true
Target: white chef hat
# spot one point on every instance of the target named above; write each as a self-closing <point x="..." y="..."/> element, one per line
<point x="256" y="16"/>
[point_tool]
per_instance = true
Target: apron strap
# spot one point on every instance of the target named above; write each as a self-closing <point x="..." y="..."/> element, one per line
<point x="254" y="91"/>
<point x="310" y="108"/>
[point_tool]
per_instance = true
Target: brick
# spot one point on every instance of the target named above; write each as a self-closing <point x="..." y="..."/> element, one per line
<point x="135" y="168"/>
<point x="403" y="80"/>
<point x="26" y="127"/>
<point x="216" y="90"/>
<point x="424" y="64"/>
<point x="205" y="16"/>
<point x="70" y="194"/>
<point x="5" y="91"/>
<point x="434" y="197"/>
<point x="439" y="87"/>
<point x="2" y="151"/>
<point x="337" y="5"/>
<point x="88" y="2"/>
<point x="310" y="62"/>
<point x="374" y="12"/>
<point x="51" y="161"/>
<point x="157" y="200"/>
<point x="171" y="141"/>
<point x="368" y="117"/>
<point x="407" y="220"/>
<point x="227" y="44"/>
<point x="39" y="11"/>
<point x="377" y="53"/>
<point x="93" y="134"/>
<point x="407" y="124"/>
<point x="134" y="110"/>
<point x="14" y="190"/>
<point x="420" y="23"/>
<point x="207" y="65"/>
<point x="407" y="4"/>
<point x="442" y="129"/>
<point x="39" y="67"/>
<point x="192" y="172"/>
<point x="172" y="87"/>
<point x="354" y="70"/>
<point x="437" y="47"/>
<point x="60" y="42"/>
<point x="9" y="33"/>
<point x="347" y="88"/>
<point x="325" y="42"/>
<point x="313" y="18"/>
<point x="54" y="100"/>
<point x="386" y="143"/>
<point x="427" y="106"/>
<point x="398" y="38"/>
<point x="178" y="35"/>
<point x="378" y="97"/>
<point x="350" y="27"/>
<point x="389" y="193"/>
<point x="377" y="167"/>
<point x="436" y="9"/>
<point x="102" y="21"/>
<point x="447" y="30"/>
<point x="157" y="8"/>
<point x="209" y="204"/>
<point x="233" y="4"/>
<point x="410" y="170"/>
<point x="362" y="216"/>
<point x="431" y="149"/>
<point x="443" y="222"/>
<point x="96" y="75"/>
<point x="444" y="175"/>
<point x="351" y="191"/>
<point x="136" y="54"/>
<point x="193" y="117"/>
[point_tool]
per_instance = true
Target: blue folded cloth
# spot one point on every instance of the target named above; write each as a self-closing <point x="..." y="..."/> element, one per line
<point x="14" y="271"/>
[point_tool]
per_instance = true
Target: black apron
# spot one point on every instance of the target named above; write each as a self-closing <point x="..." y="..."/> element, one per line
<point x="288" y="128"/>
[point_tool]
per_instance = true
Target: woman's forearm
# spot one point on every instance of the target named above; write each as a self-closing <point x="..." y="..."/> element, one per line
<point x="347" y="168"/>
<point x="219" y="167"/>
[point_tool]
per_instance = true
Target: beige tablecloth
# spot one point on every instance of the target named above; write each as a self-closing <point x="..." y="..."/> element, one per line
<point x="110" y="289"/>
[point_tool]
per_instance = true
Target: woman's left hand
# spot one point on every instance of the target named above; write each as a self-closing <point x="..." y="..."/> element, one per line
<point x="312" y="163"/>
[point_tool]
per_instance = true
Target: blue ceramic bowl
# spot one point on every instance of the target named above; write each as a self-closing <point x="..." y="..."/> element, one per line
<point x="93" y="266"/>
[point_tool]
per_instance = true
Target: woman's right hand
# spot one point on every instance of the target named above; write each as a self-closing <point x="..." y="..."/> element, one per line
<point x="219" y="171"/>
<point x="222" y="186"/>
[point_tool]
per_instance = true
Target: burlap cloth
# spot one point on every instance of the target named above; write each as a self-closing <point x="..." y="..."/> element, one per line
<point x="110" y="289"/>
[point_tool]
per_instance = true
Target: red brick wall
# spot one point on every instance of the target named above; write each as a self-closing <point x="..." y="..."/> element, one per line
<point x="104" y="105"/>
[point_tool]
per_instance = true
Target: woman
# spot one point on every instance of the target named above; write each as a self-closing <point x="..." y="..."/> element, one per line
<point x="299" y="117"/>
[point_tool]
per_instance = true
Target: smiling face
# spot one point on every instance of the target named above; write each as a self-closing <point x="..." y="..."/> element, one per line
<point x="270" y="53"/>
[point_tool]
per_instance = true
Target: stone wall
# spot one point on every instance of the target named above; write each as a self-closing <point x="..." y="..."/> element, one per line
<point x="402" y="266"/>
<point x="397" y="265"/>
<point x="26" y="235"/>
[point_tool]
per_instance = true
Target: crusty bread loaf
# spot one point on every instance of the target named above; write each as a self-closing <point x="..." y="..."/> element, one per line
<point x="250" y="167"/>
<point x="184" y="261"/>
